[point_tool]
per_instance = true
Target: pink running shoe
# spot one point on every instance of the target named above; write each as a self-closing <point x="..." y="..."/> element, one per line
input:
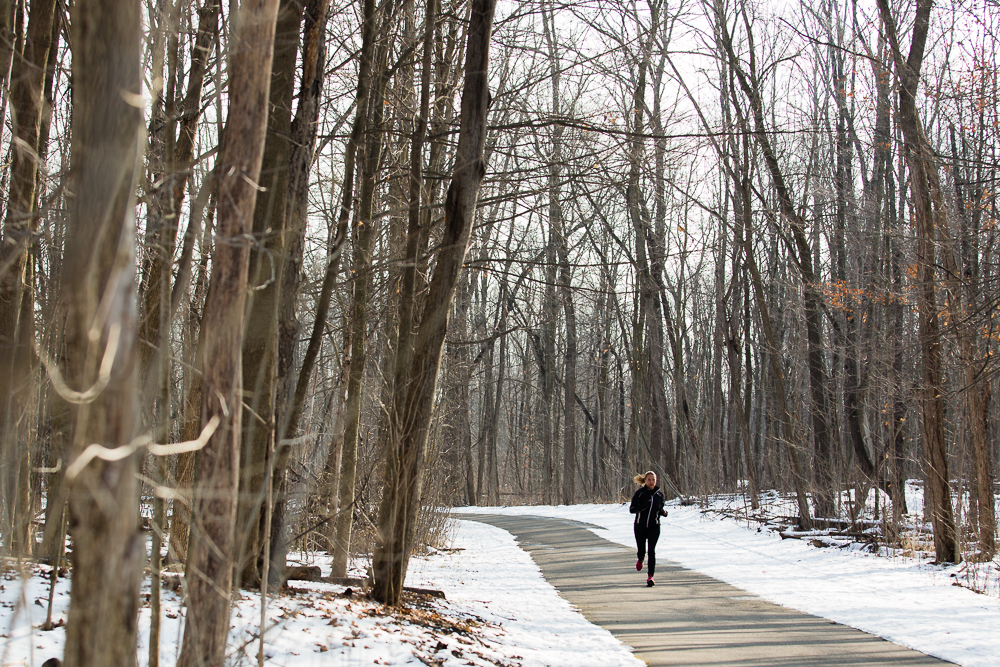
<point x="649" y="582"/>
<point x="638" y="566"/>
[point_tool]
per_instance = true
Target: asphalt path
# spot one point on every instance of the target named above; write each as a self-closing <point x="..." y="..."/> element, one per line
<point x="687" y="618"/>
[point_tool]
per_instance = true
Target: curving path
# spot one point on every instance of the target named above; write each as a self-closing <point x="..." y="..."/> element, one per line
<point x="687" y="618"/>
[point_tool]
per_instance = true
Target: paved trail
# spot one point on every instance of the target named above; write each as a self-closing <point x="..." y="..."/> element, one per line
<point x="687" y="618"/>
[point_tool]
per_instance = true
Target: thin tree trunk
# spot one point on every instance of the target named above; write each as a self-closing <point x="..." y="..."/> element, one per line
<point x="191" y="421"/>
<point x="650" y="405"/>
<point x="964" y="304"/>
<point x="209" y="572"/>
<point x="7" y="8"/>
<point x="364" y="238"/>
<point x="329" y="487"/>
<point x="548" y="372"/>
<point x="20" y="443"/>
<point x="16" y="293"/>
<point x="303" y="132"/>
<point x="557" y="231"/>
<point x="175" y="171"/>
<point x="602" y="444"/>
<point x="733" y="346"/>
<point x="266" y="275"/>
<point x="929" y="215"/>
<point x="55" y="498"/>
<point x="464" y="425"/>
<point x="569" y="381"/>
<point x="339" y="237"/>
<point x="777" y="375"/>
<point x="883" y="184"/>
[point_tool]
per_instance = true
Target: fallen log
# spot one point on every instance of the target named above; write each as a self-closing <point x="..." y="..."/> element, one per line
<point x="303" y="573"/>
<point x="366" y="583"/>
<point x="345" y="581"/>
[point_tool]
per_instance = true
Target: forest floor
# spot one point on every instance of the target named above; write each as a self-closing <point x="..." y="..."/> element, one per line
<point x="498" y="610"/>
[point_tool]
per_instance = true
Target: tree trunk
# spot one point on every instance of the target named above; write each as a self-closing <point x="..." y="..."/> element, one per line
<point x="303" y="140"/>
<point x="733" y="345"/>
<point x="602" y="444"/>
<point x="55" y="499"/>
<point x="569" y="380"/>
<point x="364" y="236"/>
<point x="929" y="215"/>
<point x="964" y="303"/>
<point x="339" y="235"/>
<point x="855" y="320"/>
<point x="174" y="172"/>
<point x="547" y="371"/>
<point x="884" y="186"/>
<point x="461" y="479"/>
<point x="419" y="357"/>
<point x="21" y="445"/>
<point x="266" y="274"/>
<point x="99" y="270"/>
<point x="27" y="78"/>
<point x="209" y="572"/>
<point x="191" y="420"/>
<point x="788" y="429"/>
<point x="7" y="8"/>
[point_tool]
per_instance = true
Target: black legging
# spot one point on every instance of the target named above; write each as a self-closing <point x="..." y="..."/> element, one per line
<point x="644" y="534"/>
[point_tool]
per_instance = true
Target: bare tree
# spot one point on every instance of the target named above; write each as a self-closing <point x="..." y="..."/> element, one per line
<point x="929" y="215"/>
<point x="211" y="553"/>
<point x="364" y="236"/>
<point x="260" y="344"/>
<point x="802" y="251"/>
<point x="17" y="302"/>
<point x="419" y="352"/>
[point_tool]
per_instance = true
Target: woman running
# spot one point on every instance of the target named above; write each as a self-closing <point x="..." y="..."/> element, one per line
<point x="647" y="506"/>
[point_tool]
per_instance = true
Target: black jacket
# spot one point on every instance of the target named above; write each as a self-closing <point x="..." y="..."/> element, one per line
<point x="647" y="505"/>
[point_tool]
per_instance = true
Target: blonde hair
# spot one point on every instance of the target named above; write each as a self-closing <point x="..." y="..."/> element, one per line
<point x="641" y="479"/>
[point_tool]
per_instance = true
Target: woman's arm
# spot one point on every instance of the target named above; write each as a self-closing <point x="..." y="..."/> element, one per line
<point x="633" y="508"/>
<point x="662" y="501"/>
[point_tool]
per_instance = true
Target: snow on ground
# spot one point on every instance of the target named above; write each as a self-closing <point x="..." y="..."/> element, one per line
<point x="499" y="611"/>
<point x="507" y="589"/>
<point x="903" y="599"/>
